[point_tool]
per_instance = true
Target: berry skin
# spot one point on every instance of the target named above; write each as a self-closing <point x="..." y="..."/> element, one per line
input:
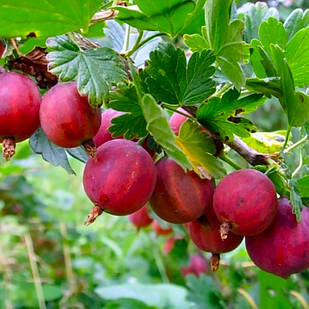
<point x="179" y="197"/>
<point x="177" y="120"/>
<point x="67" y="118"/>
<point x="140" y="218"/>
<point x="282" y="249"/>
<point x="20" y="101"/>
<point x="104" y="135"/>
<point x="198" y="265"/>
<point x="246" y="202"/>
<point x="159" y="230"/>
<point x="120" y="180"/>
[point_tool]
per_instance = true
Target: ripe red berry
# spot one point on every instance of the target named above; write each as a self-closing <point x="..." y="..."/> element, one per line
<point x="282" y="249"/>
<point x="179" y="197"/>
<point x="19" y="110"/>
<point x="169" y="244"/>
<point x="104" y="135"/>
<point x="208" y="238"/>
<point x="177" y="120"/>
<point x="2" y="48"/>
<point x="140" y="218"/>
<point x="159" y="230"/>
<point x="120" y="180"/>
<point x="197" y="266"/>
<point x="246" y="202"/>
<point x="67" y="118"/>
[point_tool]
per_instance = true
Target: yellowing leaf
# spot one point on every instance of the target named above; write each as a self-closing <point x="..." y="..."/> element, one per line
<point x="266" y="142"/>
<point x="199" y="149"/>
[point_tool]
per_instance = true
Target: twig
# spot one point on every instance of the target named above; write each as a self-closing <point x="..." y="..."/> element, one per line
<point x="248" y="297"/>
<point x="129" y="53"/>
<point x="14" y="44"/>
<point x="251" y="155"/>
<point x="300" y="164"/>
<point x="136" y="45"/>
<point x="248" y="153"/>
<point x="35" y="271"/>
<point x="103" y="15"/>
<point x="297" y="144"/>
<point x="68" y="265"/>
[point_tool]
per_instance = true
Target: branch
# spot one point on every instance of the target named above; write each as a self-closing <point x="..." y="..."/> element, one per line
<point x="249" y="154"/>
<point x="103" y="15"/>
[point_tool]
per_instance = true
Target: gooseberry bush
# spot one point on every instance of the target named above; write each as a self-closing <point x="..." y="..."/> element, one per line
<point x="162" y="101"/>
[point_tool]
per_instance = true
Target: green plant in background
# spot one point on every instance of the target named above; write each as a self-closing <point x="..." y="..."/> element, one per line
<point x="215" y="85"/>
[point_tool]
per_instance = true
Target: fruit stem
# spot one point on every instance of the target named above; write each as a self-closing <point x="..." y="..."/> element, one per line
<point x="90" y="148"/>
<point x="215" y="261"/>
<point x="8" y="148"/>
<point x="224" y="230"/>
<point x="93" y="214"/>
<point x="228" y="160"/>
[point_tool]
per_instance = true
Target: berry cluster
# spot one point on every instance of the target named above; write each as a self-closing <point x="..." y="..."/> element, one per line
<point x="120" y="177"/>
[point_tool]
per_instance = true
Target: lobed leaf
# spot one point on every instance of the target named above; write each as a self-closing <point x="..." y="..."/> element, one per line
<point x="169" y="78"/>
<point x="95" y="70"/>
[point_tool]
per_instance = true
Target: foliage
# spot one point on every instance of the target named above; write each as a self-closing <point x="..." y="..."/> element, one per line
<point x="239" y="70"/>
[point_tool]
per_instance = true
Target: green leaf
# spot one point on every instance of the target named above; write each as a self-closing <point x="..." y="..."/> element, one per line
<point x="199" y="149"/>
<point x="52" y="292"/>
<point x="219" y="115"/>
<point x="170" y="79"/>
<point x="225" y="39"/>
<point x="294" y="22"/>
<point x="203" y="298"/>
<point x="217" y="18"/>
<point x="268" y="86"/>
<point x="297" y="55"/>
<point x="132" y="124"/>
<point x="295" y="199"/>
<point x="29" y="45"/>
<point x="252" y="15"/>
<point x="158" y="127"/>
<point x="279" y="286"/>
<point x="265" y="142"/>
<point x="45" y="18"/>
<point x="232" y="70"/>
<point x="159" y="295"/>
<point x="50" y="152"/>
<point x="303" y="186"/>
<point x="95" y="70"/>
<point x="195" y="20"/>
<point x="196" y="42"/>
<point x="272" y="32"/>
<point x="159" y="15"/>
<point x="279" y="181"/>
<point x="261" y="61"/>
<point x="295" y="104"/>
<point x="79" y="153"/>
